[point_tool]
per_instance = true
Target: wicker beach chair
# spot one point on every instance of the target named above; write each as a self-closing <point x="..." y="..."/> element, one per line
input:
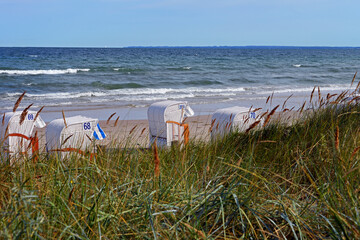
<point x="74" y="135"/>
<point x="17" y="139"/>
<point x="230" y="119"/>
<point x="166" y="122"/>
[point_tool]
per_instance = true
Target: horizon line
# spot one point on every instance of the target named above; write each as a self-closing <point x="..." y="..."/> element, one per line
<point x="189" y="46"/>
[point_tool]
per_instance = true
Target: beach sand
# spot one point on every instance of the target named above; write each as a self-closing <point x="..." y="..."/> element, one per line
<point x="135" y="133"/>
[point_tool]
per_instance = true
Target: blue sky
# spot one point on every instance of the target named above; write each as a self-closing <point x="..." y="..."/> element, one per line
<point x="121" y="23"/>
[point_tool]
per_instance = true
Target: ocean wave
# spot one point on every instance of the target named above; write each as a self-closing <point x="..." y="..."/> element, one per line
<point x="297" y="65"/>
<point x="203" y="82"/>
<point x="179" y="68"/>
<point x="329" y="87"/>
<point x="44" y="72"/>
<point x="146" y="95"/>
<point x="137" y="92"/>
<point x="109" y="86"/>
<point x="128" y="70"/>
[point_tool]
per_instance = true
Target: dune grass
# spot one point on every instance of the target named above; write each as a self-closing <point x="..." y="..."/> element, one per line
<point x="280" y="182"/>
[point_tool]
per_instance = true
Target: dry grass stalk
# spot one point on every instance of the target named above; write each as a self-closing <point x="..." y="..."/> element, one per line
<point x="199" y="233"/>
<point x="302" y="107"/>
<point x="3" y="119"/>
<point x="239" y="162"/>
<point x="353" y="80"/>
<point x="212" y="125"/>
<point x="286" y="100"/>
<point x="340" y="97"/>
<point x="246" y="120"/>
<point x="272" y="96"/>
<point x="32" y="140"/>
<point x="107" y="121"/>
<point x="312" y="94"/>
<point x="66" y="139"/>
<point x="262" y="115"/>
<point x="17" y="103"/>
<point x="267" y="141"/>
<point x="24" y="113"/>
<point x="319" y="93"/>
<point x="132" y="129"/>
<point x="156" y="161"/>
<point x="63" y="115"/>
<point x="70" y="196"/>
<point x="268" y="98"/>
<point x="6" y="132"/>
<point x="354" y="99"/>
<point x="231" y="115"/>
<point x="354" y="152"/>
<point x="88" y="137"/>
<point x="357" y="86"/>
<point x="337" y="138"/>
<point x="270" y="114"/>
<point x="330" y="96"/>
<point x="257" y="109"/>
<point x="142" y="131"/>
<point x="116" y="121"/>
<point x="252" y="126"/>
<point x="38" y="113"/>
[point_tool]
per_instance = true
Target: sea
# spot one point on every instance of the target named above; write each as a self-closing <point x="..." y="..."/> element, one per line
<point x="100" y="81"/>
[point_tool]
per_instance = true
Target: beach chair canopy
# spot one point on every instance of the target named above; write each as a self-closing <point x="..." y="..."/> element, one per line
<point x="166" y="121"/>
<point x="78" y="134"/>
<point x="229" y="119"/>
<point x="16" y="137"/>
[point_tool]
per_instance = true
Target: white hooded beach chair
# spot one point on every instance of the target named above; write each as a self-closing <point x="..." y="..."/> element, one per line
<point x="75" y="137"/>
<point x="18" y="139"/>
<point x="166" y="122"/>
<point x="230" y="119"/>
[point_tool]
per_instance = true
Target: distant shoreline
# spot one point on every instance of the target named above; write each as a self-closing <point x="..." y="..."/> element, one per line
<point x="217" y="47"/>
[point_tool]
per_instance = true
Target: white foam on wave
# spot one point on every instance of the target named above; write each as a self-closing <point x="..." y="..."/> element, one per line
<point x="297" y="65"/>
<point x="330" y="87"/>
<point x="134" y="92"/>
<point x="44" y="72"/>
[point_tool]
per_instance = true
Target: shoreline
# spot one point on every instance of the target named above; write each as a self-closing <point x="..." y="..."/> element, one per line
<point x="104" y="111"/>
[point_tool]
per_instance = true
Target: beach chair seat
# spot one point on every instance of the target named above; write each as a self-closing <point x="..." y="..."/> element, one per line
<point x="230" y="119"/>
<point x="17" y="139"/>
<point x="76" y="136"/>
<point x="166" y="122"/>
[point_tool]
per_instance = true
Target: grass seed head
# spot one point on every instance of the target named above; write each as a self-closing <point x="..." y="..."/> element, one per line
<point x="38" y="113"/>
<point x="24" y="113"/>
<point x="116" y="121"/>
<point x="17" y="103"/>
<point x="107" y="121"/>
<point x="252" y="126"/>
<point x="63" y="115"/>
<point x="156" y="160"/>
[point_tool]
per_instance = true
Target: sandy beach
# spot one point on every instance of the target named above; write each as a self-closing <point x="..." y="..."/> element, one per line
<point x="135" y="133"/>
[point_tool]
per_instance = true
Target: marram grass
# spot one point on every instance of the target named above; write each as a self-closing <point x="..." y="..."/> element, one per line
<point x="281" y="182"/>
